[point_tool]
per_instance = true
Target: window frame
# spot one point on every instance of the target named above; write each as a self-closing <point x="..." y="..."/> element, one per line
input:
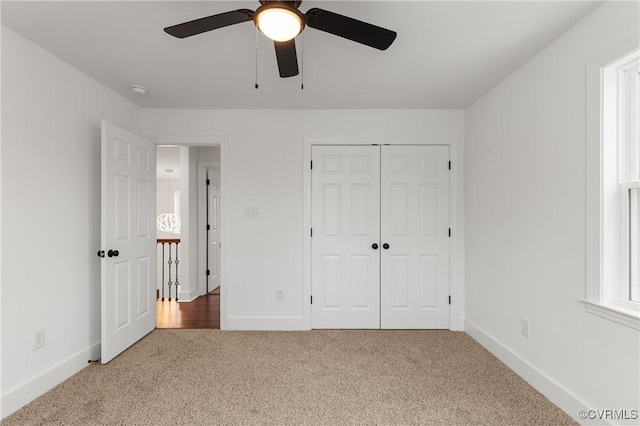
<point x="625" y="244"/>
<point x="607" y="266"/>
<point x="629" y="173"/>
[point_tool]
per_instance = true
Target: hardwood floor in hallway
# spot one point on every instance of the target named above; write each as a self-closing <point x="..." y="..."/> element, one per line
<point x="203" y="312"/>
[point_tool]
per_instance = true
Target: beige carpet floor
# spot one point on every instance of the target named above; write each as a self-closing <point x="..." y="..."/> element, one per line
<point x="336" y="377"/>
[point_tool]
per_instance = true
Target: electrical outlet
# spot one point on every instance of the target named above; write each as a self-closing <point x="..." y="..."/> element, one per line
<point x="38" y="339"/>
<point x="524" y="327"/>
<point x="279" y="294"/>
<point x="251" y="213"/>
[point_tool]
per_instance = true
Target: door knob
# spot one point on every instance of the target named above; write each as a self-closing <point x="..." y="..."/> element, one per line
<point x="385" y="246"/>
<point x="100" y="253"/>
<point x="374" y="246"/>
<point x="113" y="253"/>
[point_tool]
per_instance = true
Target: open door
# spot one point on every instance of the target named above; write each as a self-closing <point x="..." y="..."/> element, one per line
<point x="214" y="245"/>
<point x="128" y="240"/>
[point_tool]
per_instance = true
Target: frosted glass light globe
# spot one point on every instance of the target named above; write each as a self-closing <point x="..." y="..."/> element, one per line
<point x="278" y="23"/>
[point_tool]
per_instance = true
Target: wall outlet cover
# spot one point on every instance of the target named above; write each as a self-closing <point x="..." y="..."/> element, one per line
<point x="38" y="339"/>
<point x="524" y="327"/>
<point x="251" y="212"/>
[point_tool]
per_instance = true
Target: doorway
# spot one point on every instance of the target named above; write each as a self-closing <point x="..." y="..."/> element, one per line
<point x="380" y="236"/>
<point x="183" y="258"/>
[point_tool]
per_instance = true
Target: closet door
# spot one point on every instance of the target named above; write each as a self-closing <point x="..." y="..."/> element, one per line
<point x="346" y="237"/>
<point x="415" y="237"/>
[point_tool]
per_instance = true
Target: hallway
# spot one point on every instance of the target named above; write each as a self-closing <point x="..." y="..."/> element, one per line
<point x="203" y="312"/>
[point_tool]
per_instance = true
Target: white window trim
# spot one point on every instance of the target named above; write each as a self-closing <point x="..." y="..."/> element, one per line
<point x="620" y="315"/>
<point x="595" y="301"/>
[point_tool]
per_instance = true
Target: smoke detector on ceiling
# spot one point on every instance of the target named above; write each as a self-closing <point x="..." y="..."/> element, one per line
<point x="139" y="90"/>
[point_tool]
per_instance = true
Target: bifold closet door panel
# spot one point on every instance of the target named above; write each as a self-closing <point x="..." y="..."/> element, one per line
<point x="415" y="228"/>
<point x="346" y="236"/>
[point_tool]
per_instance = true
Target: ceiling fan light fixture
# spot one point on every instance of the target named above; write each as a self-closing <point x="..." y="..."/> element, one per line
<point x="279" y="22"/>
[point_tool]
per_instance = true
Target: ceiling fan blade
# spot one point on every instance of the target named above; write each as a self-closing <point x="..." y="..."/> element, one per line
<point x="287" y="58"/>
<point x="349" y="28"/>
<point x="202" y="25"/>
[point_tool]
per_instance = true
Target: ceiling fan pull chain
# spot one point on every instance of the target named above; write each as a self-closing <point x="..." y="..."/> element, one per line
<point x="302" y="62"/>
<point x="256" y="85"/>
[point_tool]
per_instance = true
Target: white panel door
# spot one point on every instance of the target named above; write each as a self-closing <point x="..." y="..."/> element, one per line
<point x="214" y="245"/>
<point x="415" y="237"/>
<point x="128" y="236"/>
<point x="346" y="225"/>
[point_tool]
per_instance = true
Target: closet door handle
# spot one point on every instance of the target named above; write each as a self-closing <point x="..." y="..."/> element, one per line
<point x="374" y="246"/>
<point x="385" y="246"/>
<point x="113" y="253"/>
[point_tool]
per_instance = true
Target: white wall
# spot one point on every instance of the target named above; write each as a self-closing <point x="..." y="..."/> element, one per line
<point x="50" y="216"/>
<point x="189" y="214"/>
<point x="526" y="225"/>
<point x="262" y="165"/>
<point x="208" y="153"/>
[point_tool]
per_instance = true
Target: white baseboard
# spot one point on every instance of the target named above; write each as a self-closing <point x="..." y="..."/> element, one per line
<point x="266" y="324"/>
<point x="16" y="398"/>
<point x="188" y="296"/>
<point x="563" y="398"/>
<point x="289" y="323"/>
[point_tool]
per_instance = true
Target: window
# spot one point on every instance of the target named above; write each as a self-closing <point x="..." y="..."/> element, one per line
<point x="614" y="186"/>
<point x="629" y="154"/>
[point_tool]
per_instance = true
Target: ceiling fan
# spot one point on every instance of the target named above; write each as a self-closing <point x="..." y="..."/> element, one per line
<point x="281" y="21"/>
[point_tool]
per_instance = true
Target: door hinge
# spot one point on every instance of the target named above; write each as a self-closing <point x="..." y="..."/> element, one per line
<point x="449" y="165"/>
<point x="208" y="182"/>
<point x="449" y="299"/>
<point x="312" y="232"/>
<point x="311" y="165"/>
<point x="449" y="232"/>
<point x="208" y="227"/>
<point x="312" y="300"/>
<point x="208" y="272"/>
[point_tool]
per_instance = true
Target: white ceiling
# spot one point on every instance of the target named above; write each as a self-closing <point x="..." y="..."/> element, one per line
<point x="446" y="55"/>
<point x="167" y="157"/>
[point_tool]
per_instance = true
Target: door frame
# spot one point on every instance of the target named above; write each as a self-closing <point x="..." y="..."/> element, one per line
<point x="220" y="141"/>
<point x="456" y="214"/>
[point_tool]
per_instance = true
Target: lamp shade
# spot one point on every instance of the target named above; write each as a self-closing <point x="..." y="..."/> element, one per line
<point x="279" y="22"/>
<point x="169" y="222"/>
